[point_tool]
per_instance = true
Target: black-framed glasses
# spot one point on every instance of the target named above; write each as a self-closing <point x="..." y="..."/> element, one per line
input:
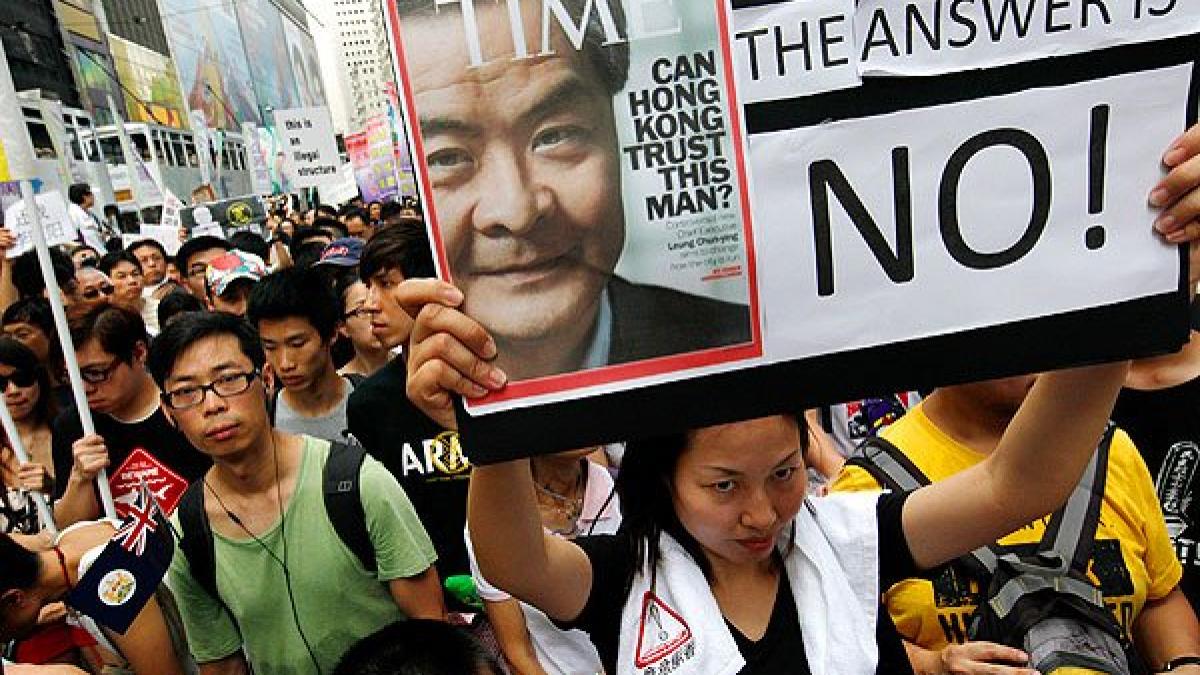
<point x="100" y="374"/>
<point x="224" y="386"/>
<point x="21" y="378"/>
<point x="96" y="291"/>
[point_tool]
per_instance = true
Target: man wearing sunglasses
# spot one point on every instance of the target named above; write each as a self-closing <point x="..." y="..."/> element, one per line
<point x="93" y="288"/>
<point x="111" y="346"/>
<point x="293" y="597"/>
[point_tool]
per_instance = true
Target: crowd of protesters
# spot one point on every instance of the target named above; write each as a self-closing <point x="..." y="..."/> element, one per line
<point x="293" y="392"/>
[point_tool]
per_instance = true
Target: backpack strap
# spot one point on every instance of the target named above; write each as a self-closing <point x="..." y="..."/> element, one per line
<point x="825" y="415"/>
<point x="196" y="539"/>
<point x="1071" y="532"/>
<point x="888" y="465"/>
<point x="196" y="543"/>
<point x="340" y="487"/>
<point x="273" y="404"/>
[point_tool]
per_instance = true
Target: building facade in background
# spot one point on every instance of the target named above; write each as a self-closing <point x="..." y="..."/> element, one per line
<point x="353" y="40"/>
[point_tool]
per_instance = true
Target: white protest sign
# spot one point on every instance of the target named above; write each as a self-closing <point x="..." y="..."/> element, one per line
<point x="309" y="148"/>
<point x="924" y="37"/>
<point x="14" y="135"/>
<point x="260" y="173"/>
<point x="170" y="211"/>
<point x="166" y="235"/>
<point x="55" y="221"/>
<point x="794" y="48"/>
<point x="203" y="149"/>
<point x="872" y="234"/>
<point x="344" y="189"/>
<point x="859" y="194"/>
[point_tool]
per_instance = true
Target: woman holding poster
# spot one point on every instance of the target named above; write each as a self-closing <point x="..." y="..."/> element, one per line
<point x="722" y="565"/>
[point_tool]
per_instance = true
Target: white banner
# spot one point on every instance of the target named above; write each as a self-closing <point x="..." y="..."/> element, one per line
<point x="164" y="234"/>
<point x="928" y="37"/>
<point x="309" y="148"/>
<point x="56" y="223"/>
<point x="991" y="195"/>
<point x="16" y="150"/>
<point x="170" y="212"/>
<point x="203" y="149"/>
<point x="794" y="49"/>
<point x="260" y="173"/>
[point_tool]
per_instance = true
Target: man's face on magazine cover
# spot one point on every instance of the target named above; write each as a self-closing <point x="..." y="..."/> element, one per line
<point x="523" y="162"/>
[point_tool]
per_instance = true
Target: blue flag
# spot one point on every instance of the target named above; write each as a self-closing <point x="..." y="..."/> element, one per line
<point x="128" y="571"/>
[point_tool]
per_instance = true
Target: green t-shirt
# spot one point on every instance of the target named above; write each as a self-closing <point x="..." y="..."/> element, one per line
<point x="337" y="600"/>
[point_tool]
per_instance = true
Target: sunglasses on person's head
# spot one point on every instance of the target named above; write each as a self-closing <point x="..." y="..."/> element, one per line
<point x="21" y="378"/>
<point x="96" y="292"/>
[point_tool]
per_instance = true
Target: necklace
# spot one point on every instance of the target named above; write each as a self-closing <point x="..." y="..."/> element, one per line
<point x="564" y="509"/>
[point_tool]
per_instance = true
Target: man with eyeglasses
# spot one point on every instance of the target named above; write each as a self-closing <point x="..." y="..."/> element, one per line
<point x="193" y="258"/>
<point x="111" y="346"/>
<point x="292" y="596"/>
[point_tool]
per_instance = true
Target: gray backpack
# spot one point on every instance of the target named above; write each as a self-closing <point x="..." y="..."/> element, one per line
<point x="1042" y="603"/>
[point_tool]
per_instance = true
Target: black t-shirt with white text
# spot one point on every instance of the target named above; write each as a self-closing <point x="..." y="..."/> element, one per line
<point x="1165" y="426"/>
<point x="426" y="459"/>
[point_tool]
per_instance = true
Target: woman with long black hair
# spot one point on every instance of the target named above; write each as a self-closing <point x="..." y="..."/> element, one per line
<point x="29" y="397"/>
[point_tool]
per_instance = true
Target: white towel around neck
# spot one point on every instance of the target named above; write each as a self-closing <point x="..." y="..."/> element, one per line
<point x="833" y="571"/>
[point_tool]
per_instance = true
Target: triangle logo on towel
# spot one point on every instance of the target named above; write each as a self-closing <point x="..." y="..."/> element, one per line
<point x="660" y="631"/>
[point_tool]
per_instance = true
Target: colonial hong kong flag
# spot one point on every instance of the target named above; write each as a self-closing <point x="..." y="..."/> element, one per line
<point x="128" y="571"/>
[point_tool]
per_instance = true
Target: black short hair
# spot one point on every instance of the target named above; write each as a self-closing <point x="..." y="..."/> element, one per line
<point x="418" y="647"/>
<point x="153" y="243"/>
<point x="37" y="312"/>
<point x="325" y="211"/>
<point x="27" y="273"/>
<point x="296" y="292"/>
<point x="177" y="302"/>
<point x="403" y="246"/>
<point x="250" y="242"/>
<point x="109" y="260"/>
<point x="304" y="234"/>
<point x="77" y="192"/>
<point x="33" y="311"/>
<point x="118" y="328"/>
<point x="192" y="327"/>
<point x="332" y="227"/>
<point x="111" y="210"/>
<point x="390" y="210"/>
<point x="355" y="212"/>
<point x="193" y="246"/>
<point x="308" y="254"/>
<point x="610" y="61"/>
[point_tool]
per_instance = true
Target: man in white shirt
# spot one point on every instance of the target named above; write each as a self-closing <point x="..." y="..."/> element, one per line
<point x="82" y="200"/>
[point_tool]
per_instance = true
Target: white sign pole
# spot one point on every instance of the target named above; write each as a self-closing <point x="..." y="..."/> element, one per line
<point x="18" y="447"/>
<point x="64" y="339"/>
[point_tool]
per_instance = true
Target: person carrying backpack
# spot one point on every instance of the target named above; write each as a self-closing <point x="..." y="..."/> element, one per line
<point x="293" y="549"/>
<point x="1101" y="565"/>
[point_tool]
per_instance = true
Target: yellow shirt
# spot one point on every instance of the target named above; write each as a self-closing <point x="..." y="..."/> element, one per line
<point x="1132" y="560"/>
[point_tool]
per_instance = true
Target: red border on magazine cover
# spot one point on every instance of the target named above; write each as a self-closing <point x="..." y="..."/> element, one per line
<point x="567" y="382"/>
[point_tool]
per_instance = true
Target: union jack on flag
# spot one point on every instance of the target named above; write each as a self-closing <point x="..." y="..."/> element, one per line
<point x="140" y="523"/>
